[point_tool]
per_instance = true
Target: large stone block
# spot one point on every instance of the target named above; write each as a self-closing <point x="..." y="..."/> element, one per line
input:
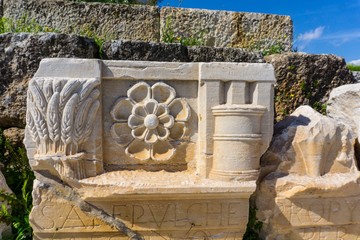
<point x="148" y="147"/>
<point x="115" y="21"/>
<point x="20" y="58"/>
<point x="140" y="22"/>
<point x="151" y="51"/>
<point x="228" y="29"/>
<point x="306" y="79"/>
<point x="343" y="106"/>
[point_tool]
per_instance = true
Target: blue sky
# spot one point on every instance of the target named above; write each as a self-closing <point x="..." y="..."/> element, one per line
<point x="320" y="26"/>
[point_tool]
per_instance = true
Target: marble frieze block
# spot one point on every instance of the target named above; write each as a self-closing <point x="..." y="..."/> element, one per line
<point x="160" y="150"/>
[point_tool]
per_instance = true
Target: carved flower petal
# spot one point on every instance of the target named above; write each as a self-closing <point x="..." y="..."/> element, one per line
<point x="162" y="151"/>
<point x="121" y="133"/>
<point x="162" y="110"/>
<point x="121" y="110"/>
<point x="180" y="109"/>
<point x="151" y="106"/>
<point x="162" y="93"/>
<point x="139" y="150"/>
<point x="139" y="92"/>
<point x="151" y="136"/>
<point x="178" y="131"/>
<point x="135" y="121"/>
<point x="139" y="110"/>
<point x="163" y="133"/>
<point x="167" y="121"/>
<point x="139" y="132"/>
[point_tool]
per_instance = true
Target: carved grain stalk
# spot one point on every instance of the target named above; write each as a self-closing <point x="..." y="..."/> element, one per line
<point x="60" y="118"/>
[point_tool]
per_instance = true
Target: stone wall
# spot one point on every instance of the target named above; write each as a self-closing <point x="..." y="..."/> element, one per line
<point x="152" y="51"/>
<point x="214" y="28"/>
<point x="20" y="58"/>
<point x="306" y="79"/>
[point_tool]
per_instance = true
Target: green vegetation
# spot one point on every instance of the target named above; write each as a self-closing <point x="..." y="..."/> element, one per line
<point x="273" y="49"/>
<point x="23" y="24"/>
<point x="354" y="68"/>
<point x="19" y="178"/>
<point x="320" y="107"/>
<point x="87" y="31"/>
<point x="147" y="2"/>
<point x="291" y="67"/>
<point x="253" y="227"/>
<point x="27" y="25"/>
<point x="276" y="48"/>
<point x="170" y="37"/>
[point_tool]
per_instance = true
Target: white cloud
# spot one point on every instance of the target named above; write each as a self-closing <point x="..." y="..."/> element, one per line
<point x="312" y="35"/>
<point x="355" y="62"/>
<point x="342" y="37"/>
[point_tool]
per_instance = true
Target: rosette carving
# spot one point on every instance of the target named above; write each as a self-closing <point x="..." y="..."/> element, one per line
<point x="148" y="120"/>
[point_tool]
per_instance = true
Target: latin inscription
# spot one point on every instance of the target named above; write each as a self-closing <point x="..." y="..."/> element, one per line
<point x="154" y="219"/>
<point x="177" y="215"/>
<point x="320" y="218"/>
<point x="65" y="217"/>
<point x="320" y="212"/>
<point x="330" y="232"/>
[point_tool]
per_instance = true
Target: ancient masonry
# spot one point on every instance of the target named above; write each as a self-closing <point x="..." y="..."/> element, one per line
<point x="170" y="150"/>
<point x="160" y="150"/>
<point x="174" y="150"/>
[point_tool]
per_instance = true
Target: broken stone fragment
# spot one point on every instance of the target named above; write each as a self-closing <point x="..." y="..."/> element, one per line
<point x="309" y="180"/>
<point x="344" y="106"/>
<point x="308" y="143"/>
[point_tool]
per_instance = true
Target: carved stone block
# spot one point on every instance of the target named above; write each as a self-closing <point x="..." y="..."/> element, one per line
<point x="309" y="182"/>
<point x="164" y="150"/>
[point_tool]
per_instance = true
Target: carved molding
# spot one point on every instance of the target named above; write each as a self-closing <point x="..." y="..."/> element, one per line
<point x="148" y="119"/>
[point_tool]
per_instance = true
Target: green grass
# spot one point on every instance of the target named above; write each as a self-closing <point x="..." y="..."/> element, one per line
<point x="27" y="25"/>
<point x="23" y="24"/>
<point x="19" y="177"/>
<point x="353" y="68"/>
<point x="169" y="36"/>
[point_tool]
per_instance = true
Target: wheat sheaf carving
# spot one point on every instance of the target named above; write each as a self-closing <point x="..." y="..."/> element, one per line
<point x="60" y="114"/>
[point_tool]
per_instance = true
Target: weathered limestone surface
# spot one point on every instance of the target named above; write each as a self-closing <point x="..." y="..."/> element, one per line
<point x="229" y="29"/>
<point x="144" y="147"/>
<point x="5" y="230"/>
<point x="151" y="51"/>
<point x="19" y="59"/>
<point x="116" y="21"/>
<point x="305" y="79"/>
<point x="343" y="106"/>
<point x="220" y="28"/>
<point x="309" y="180"/>
<point x="15" y="136"/>
<point x="356" y="76"/>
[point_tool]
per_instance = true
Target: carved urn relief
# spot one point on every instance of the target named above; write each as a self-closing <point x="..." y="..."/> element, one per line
<point x="237" y="142"/>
